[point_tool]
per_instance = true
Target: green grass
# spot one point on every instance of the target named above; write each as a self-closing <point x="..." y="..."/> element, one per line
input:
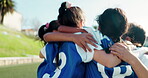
<point x="13" y="46"/>
<point x="19" y="71"/>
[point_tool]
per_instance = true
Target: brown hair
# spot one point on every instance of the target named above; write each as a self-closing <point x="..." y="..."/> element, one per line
<point x="70" y="16"/>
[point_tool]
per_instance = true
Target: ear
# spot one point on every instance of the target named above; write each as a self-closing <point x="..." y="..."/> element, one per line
<point x="81" y="24"/>
<point x="128" y="38"/>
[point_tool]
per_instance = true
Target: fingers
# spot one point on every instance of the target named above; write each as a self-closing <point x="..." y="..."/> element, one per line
<point x="81" y="45"/>
<point x="124" y="45"/>
<point x="120" y="46"/>
<point x="89" y="34"/>
<point x="117" y="49"/>
<point x="92" y="39"/>
<point x="83" y="39"/>
<point x="116" y="53"/>
<point x="84" y="44"/>
<point x="90" y="42"/>
<point x="125" y="56"/>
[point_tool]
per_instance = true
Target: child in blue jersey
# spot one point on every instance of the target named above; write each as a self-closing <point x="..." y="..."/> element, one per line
<point x="75" y="16"/>
<point x="48" y="27"/>
<point x="61" y="60"/>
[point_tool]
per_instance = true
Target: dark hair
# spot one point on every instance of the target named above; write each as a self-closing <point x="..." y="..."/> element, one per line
<point x="136" y="33"/>
<point x="112" y="23"/>
<point x="70" y="16"/>
<point x="53" y="25"/>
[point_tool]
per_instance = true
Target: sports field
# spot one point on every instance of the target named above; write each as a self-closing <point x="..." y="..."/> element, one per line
<point x="19" y="71"/>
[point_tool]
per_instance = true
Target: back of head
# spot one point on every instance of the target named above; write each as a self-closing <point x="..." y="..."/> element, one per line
<point x="136" y="34"/>
<point x="113" y="23"/>
<point x="70" y="16"/>
<point x="49" y="27"/>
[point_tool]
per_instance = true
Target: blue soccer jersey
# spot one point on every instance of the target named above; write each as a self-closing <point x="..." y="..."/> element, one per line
<point x="71" y="61"/>
<point x="96" y="70"/>
<point x="72" y="58"/>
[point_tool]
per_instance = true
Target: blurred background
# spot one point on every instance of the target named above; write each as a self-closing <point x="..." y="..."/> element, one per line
<point x="20" y="20"/>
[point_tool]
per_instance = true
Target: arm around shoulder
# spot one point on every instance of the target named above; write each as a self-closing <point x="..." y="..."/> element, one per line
<point x="56" y="36"/>
<point x="124" y="53"/>
<point x="108" y="60"/>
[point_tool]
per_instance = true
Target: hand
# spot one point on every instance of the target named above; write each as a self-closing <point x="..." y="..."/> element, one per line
<point x="123" y="52"/>
<point x="82" y="40"/>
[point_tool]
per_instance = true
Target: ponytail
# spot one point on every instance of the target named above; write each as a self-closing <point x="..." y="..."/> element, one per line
<point x="62" y="10"/>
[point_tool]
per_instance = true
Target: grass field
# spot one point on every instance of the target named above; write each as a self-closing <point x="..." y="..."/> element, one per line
<point x="16" y="44"/>
<point x="19" y="71"/>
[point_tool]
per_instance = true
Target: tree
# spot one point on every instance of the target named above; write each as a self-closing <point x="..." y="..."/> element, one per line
<point x="5" y="7"/>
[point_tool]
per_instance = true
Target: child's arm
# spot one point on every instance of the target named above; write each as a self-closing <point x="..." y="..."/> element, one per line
<point x="124" y="53"/>
<point x="79" y="39"/>
<point x="67" y="29"/>
<point x="140" y="69"/>
<point x="100" y="56"/>
<point x="108" y="60"/>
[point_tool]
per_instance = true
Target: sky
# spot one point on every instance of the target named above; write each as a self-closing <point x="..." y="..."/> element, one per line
<point x="47" y="10"/>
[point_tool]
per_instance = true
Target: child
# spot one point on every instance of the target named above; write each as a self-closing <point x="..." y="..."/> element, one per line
<point x="60" y="62"/>
<point x="49" y="27"/>
<point x="135" y="34"/>
<point x="135" y="38"/>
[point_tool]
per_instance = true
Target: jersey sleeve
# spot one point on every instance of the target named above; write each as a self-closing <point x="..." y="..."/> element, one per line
<point x="88" y="56"/>
<point x="97" y="35"/>
<point x="43" y="51"/>
<point x="85" y="56"/>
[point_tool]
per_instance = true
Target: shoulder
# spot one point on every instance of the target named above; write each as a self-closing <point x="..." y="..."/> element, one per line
<point x="88" y="29"/>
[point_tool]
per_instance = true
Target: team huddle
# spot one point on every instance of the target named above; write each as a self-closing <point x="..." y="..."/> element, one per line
<point x="73" y="50"/>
